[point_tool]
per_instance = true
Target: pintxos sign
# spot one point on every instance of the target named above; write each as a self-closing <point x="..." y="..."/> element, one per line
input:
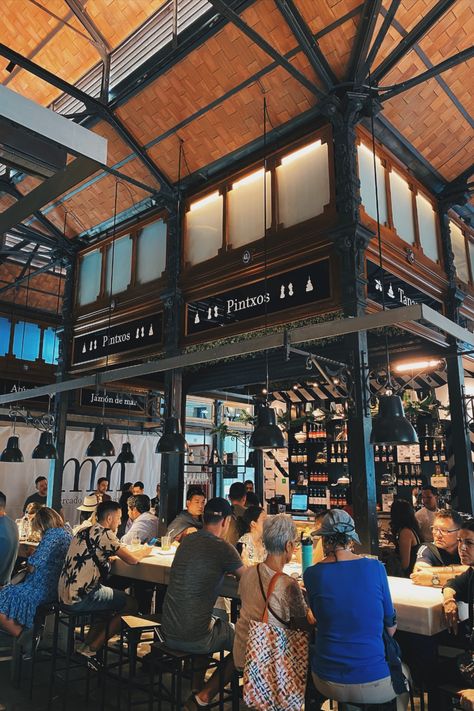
<point x="129" y="336"/>
<point x="298" y="287"/>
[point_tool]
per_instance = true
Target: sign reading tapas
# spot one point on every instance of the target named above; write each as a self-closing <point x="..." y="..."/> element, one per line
<point x="397" y="292"/>
<point x="129" y="336"/>
<point x="289" y="290"/>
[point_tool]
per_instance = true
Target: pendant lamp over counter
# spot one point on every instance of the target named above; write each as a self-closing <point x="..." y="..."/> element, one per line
<point x="101" y="446"/>
<point x="267" y="434"/>
<point x="45" y="449"/>
<point x="126" y="455"/>
<point x="171" y="441"/>
<point x="391" y="426"/>
<point x="12" y="453"/>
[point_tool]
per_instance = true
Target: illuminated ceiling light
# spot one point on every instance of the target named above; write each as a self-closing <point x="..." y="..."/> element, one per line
<point x="296" y="155"/>
<point x="248" y="179"/>
<point x="417" y="365"/>
<point x="198" y="204"/>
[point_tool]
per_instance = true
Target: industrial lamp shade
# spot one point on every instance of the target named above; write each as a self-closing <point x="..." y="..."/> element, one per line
<point x="12" y="452"/>
<point x="101" y="446"/>
<point x="126" y="455"/>
<point x="171" y="441"/>
<point x="267" y="434"/>
<point x="45" y="449"/>
<point x="391" y="426"/>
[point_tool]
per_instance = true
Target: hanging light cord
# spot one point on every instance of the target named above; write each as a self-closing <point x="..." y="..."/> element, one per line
<point x="388" y="384"/>
<point x="265" y="256"/>
<point x="112" y="268"/>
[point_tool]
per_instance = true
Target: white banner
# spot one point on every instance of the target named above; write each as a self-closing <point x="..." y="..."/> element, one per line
<point x="80" y="473"/>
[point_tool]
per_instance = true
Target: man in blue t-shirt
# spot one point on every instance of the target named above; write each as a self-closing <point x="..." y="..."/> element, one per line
<point x="8" y="543"/>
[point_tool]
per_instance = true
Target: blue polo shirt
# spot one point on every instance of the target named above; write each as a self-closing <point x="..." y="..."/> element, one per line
<point x="351" y="603"/>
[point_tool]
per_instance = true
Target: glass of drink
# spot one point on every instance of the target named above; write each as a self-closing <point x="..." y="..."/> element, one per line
<point x="135" y="544"/>
<point x="165" y="542"/>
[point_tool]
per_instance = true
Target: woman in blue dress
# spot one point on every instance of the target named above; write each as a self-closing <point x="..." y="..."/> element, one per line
<point x="18" y="603"/>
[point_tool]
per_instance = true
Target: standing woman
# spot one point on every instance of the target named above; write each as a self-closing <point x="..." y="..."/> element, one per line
<point x="406" y="534"/>
<point x="18" y="603"/>
<point x="350" y="599"/>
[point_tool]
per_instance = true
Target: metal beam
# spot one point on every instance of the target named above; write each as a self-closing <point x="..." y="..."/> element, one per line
<point x="80" y="169"/>
<point x="402" y="317"/>
<point x="412" y="38"/>
<point x="90" y="102"/>
<point x="366" y="28"/>
<point x="233" y="17"/>
<point x="449" y="63"/>
<point x="99" y="40"/>
<point x="310" y="47"/>
<point x="389" y="15"/>
<point x="32" y="275"/>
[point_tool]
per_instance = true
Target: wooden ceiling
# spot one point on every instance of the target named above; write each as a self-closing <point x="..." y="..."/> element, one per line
<point x="205" y="90"/>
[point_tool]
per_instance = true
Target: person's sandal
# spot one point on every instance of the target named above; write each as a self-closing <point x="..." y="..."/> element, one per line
<point x="192" y="705"/>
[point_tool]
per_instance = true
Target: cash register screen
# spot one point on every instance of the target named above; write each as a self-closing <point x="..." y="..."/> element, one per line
<point x="299" y="502"/>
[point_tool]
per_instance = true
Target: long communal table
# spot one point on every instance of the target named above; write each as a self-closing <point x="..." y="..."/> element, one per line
<point x="419" y="609"/>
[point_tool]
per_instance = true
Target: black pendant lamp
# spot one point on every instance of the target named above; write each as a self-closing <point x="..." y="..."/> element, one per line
<point x="101" y="446"/>
<point x="12" y="452"/>
<point x="267" y="434"/>
<point x="171" y="441"/>
<point x="126" y="455"/>
<point x="45" y="449"/>
<point x="391" y="426"/>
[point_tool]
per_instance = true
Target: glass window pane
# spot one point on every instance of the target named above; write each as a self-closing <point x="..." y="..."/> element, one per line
<point x="367" y="183"/>
<point x="204" y="229"/>
<point x="26" y="341"/>
<point x="402" y="208"/>
<point x="427" y="227"/>
<point x="121" y="250"/>
<point x="4" y="335"/>
<point x="471" y="255"/>
<point x="151" y="252"/>
<point x="459" y="250"/>
<point x="50" y="346"/>
<point x="245" y="208"/>
<point x="303" y="184"/>
<point x="89" y="277"/>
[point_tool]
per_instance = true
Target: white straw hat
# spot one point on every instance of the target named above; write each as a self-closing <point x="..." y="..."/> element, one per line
<point x="89" y="503"/>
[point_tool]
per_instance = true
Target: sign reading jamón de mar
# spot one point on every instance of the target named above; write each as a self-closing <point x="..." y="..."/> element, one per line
<point x="129" y="336"/>
<point x="289" y="290"/>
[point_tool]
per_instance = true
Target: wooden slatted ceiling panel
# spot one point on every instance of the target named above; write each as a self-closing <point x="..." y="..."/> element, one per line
<point x="336" y="45"/>
<point x="430" y="120"/>
<point x="6" y="201"/>
<point x="116" y="20"/>
<point x="42" y="289"/>
<point x="226" y="60"/>
<point x="235" y="122"/>
<point x="95" y="203"/>
<point x="36" y="34"/>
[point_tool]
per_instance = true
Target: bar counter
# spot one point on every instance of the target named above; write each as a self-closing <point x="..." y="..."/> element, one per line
<point x="419" y="609"/>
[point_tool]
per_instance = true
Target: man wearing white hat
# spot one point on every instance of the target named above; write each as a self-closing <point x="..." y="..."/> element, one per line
<point x="87" y="509"/>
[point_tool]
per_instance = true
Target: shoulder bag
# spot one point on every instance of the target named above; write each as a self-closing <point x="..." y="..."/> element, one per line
<point x="276" y="662"/>
<point x="20" y="575"/>
<point x="105" y="567"/>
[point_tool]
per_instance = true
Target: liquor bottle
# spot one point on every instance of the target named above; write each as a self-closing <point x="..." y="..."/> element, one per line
<point x="377" y="453"/>
<point x="344" y="454"/>
<point x="427" y="451"/>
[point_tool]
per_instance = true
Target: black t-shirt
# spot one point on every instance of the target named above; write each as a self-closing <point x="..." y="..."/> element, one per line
<point x="35" y="498"/>
<point x="426" y="554"/>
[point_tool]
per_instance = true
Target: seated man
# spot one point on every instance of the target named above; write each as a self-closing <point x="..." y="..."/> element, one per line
<point x="437" y="562"/>
<point x="80" y="585"/>
<point x="41" y="494"/>
<point x="100" y="492"/>
<point x="189" y="520"/>
<point x="138" y="488"/>
<point x="198" y="568"/>
<point x="144" y="523"/>
<point x="8" y="543"/>
<point x="238" y="500"/>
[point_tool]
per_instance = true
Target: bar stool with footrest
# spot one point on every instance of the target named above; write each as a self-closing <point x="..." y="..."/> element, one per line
<point x="25" y="647"/>
<point x="75" y="623"/>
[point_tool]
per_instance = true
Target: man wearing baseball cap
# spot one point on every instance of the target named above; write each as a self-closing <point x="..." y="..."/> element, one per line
<point x="188" y="625"/>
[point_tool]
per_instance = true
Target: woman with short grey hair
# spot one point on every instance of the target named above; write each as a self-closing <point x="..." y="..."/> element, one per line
<point x="286" y="603"/>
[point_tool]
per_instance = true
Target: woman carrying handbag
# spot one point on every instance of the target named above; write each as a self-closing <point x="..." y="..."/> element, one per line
<point x="270" y="644"/>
